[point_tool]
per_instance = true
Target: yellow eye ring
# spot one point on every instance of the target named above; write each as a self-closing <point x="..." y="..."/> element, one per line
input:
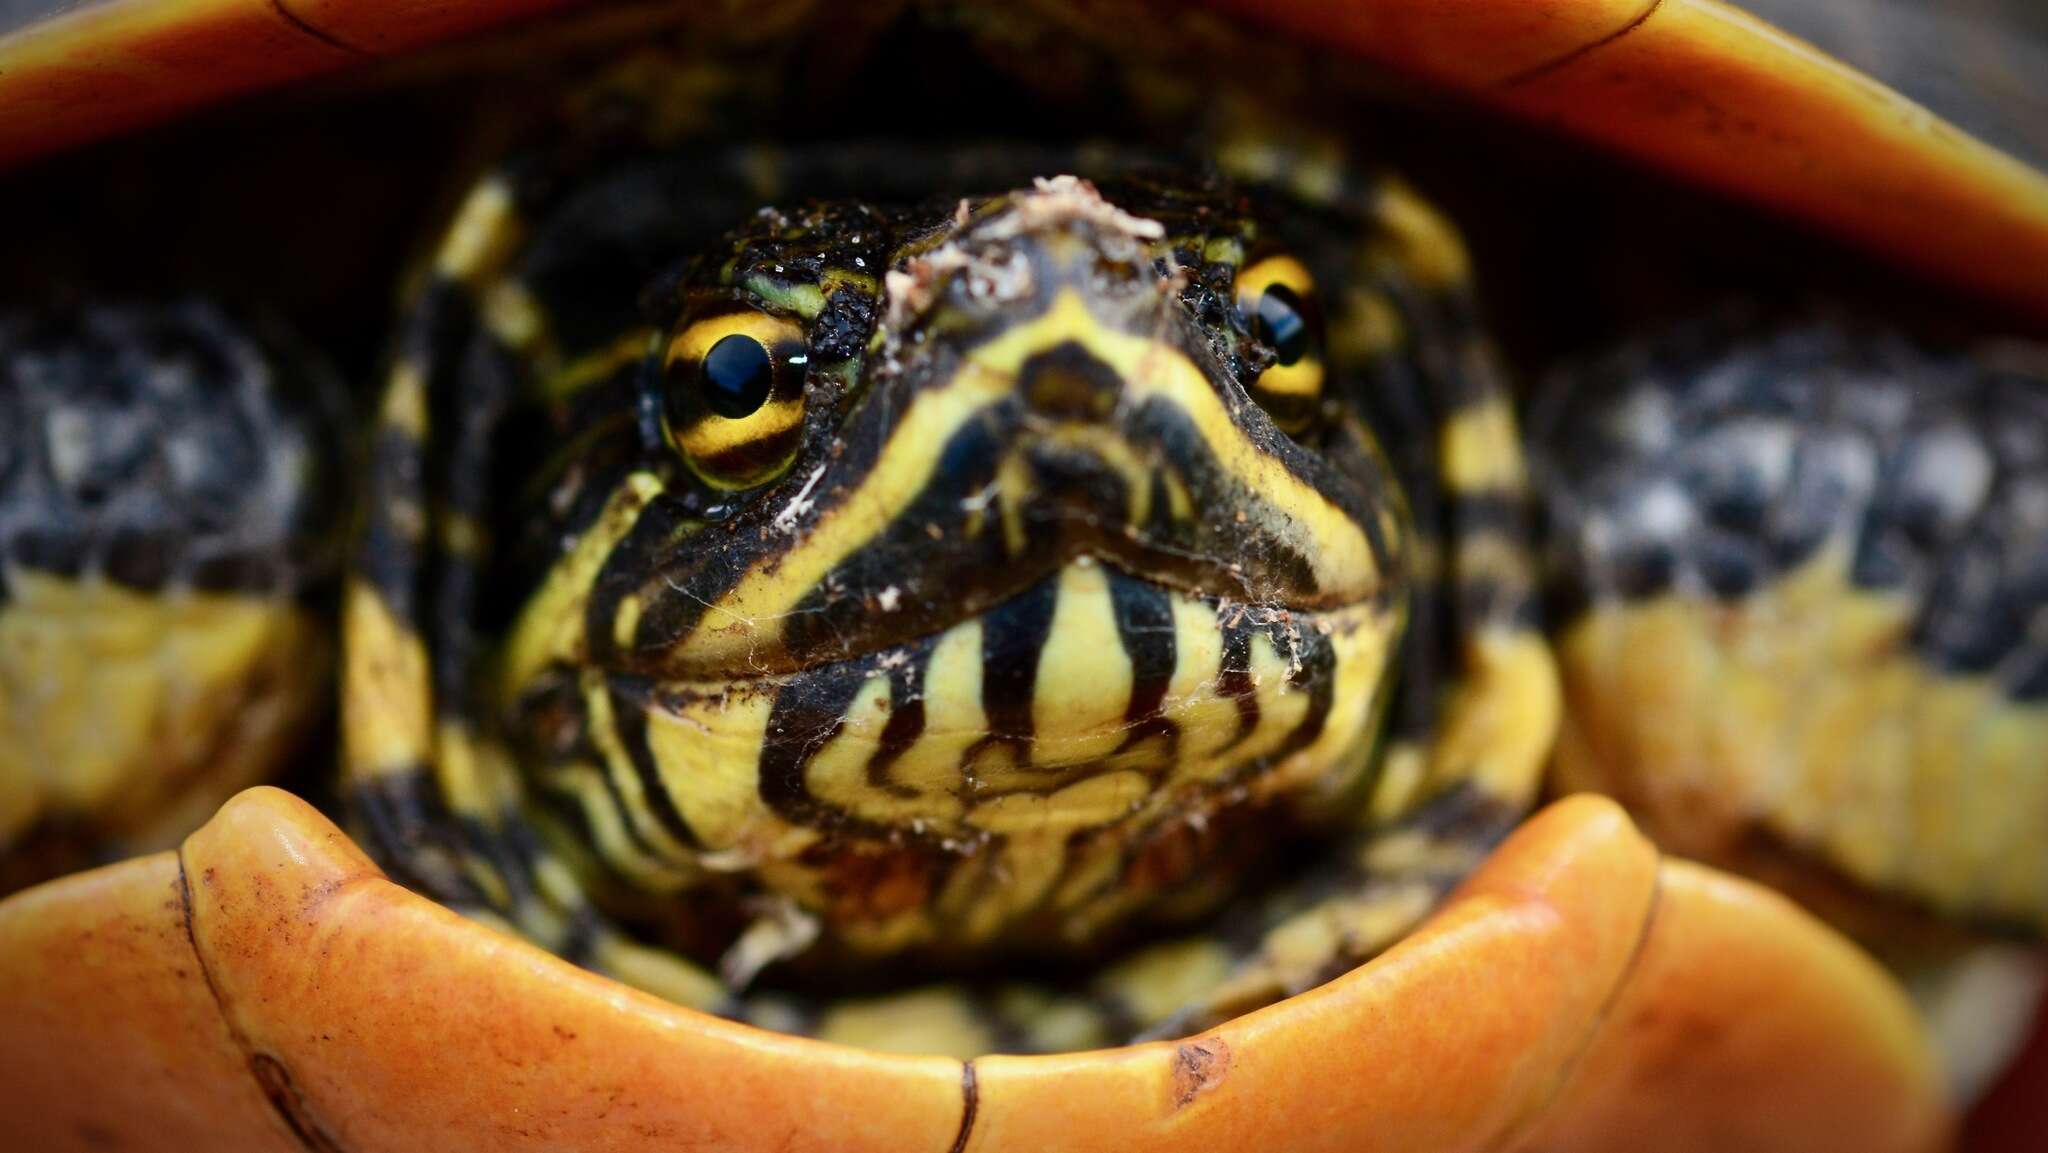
<point x="1276" y="296"/>
<point x="733" y="396"/>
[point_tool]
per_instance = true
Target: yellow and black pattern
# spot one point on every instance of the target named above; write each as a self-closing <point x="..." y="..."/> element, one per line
<point x="169" y="512"/>
<point x="940" y="584"/>
<point x="1803" y="571"/>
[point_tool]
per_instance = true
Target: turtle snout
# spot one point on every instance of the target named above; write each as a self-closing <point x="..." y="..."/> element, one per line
<point x="1068" y="382"/>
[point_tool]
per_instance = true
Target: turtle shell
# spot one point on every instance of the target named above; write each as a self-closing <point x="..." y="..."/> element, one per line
<point x="1698" y="88"/>
<point x="267" y="988"/>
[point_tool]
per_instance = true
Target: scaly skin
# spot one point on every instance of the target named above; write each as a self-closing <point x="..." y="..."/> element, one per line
<point x="1010" y="622"/>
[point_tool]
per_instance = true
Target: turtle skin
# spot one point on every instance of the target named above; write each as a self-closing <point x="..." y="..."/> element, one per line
<point x="170" y="503"/>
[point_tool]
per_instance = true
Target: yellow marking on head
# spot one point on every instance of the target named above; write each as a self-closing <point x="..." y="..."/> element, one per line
<point x="459" y="535"/>
<point x="598" y="366"/>
<point x="1116" y="452"/>
<point x="510" y="313"/>
<point x="1288" y="508"/>
<point x="837" y="775"/>
<point x="1423" y="241"/>
<point x="1014" y="486"/>
<point x="1009" y="821"/>
<point x="626" y="621"/>
<point x="1480" y="451"/>
<point x="751" y="614"/>
<point x="1368" y="329"/>
<point x="708" y="752"/>
<point x="387" y="709"/>
<point x="1337" y="548"/>
<point x="550" y="625"/>
<point x="484" y="235"/>
<point x="404" y="406"/>
<point x="806" y="300"/>
<point x="953" y="716"/>
<point x="1084" y="804"/>
<point x="604" y="734"/>
<point x="1084" y="676"/>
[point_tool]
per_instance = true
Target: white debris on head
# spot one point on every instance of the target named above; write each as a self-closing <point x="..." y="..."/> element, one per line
<point x="1064" y="199"/>
<point x="996" y="274"/>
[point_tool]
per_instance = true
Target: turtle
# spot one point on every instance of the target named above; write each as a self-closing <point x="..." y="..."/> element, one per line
<point x="1083" y="615"/>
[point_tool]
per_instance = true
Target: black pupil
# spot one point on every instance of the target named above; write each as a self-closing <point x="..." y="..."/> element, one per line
<point x="738" y="376"/>
<point x="1281" y="323"/>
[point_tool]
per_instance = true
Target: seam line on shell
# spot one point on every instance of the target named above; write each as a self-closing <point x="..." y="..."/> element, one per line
<point x="272" y="1078"/>
<point x="322" y="35"/>
<point x="970" y="1104"/>
<point x="1570" y="1067"/>
<point x="1538" y="71"/>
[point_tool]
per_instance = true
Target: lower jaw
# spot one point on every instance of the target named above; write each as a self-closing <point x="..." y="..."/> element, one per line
<point x="1049" y="772"/>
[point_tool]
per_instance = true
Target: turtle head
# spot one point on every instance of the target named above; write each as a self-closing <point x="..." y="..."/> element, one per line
<point x="1023" y="528"/>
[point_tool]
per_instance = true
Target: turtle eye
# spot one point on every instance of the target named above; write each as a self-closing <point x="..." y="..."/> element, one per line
<point x="1278" y="322"/>
<point x="733" y="396"/>
<point x="1276" y="298"/>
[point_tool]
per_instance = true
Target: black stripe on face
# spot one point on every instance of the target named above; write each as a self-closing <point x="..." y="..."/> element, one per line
<point x="1144" y="625"/>
<point x="627" y="570"/>
<point x="940" y="572"/>
<point x="631" y="697"/>
<point x="1234" y="671"/>
<point x="1219" y="552"/>
<point x="905" y="724"/>
<point x="808" y="713"/>
<point x="1314" y="663"/>
<point x="1013" y="637"/>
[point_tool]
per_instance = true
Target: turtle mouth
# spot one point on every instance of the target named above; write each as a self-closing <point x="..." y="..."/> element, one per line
<point x="1092" y="695"/>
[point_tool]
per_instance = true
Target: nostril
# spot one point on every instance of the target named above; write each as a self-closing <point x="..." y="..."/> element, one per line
<point x="1070" y="382"/>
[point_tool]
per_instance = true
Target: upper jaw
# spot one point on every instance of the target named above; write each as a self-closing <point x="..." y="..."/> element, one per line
<point x="854" y="557"/>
